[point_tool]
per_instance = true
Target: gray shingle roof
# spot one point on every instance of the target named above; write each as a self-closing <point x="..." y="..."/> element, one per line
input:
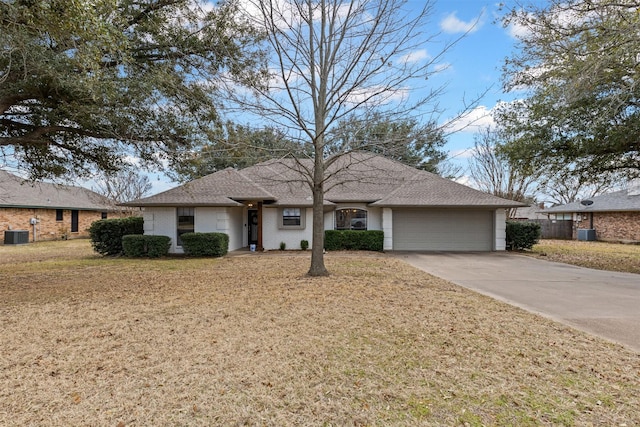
<point x="356" y="177"/>
<point x="619" y="201"/>
<point x="222" y="188"/>
<point x="15" y="192"/>
<point x="427" y="189"/>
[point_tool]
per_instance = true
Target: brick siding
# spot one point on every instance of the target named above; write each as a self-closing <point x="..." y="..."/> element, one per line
<point x="48" y="228"/>
<point x="614" y="226"/>
<point x="622" y="226"/>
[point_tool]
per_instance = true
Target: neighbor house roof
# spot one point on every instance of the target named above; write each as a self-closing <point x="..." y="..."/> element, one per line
<point x="530" y="212"/>
<point x="355" y="177"/>
<point x="619" y="201"/>
<point x="16" y="192"/>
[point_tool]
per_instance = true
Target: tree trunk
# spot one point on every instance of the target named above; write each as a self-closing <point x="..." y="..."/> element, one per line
<point x="317" y="246"/>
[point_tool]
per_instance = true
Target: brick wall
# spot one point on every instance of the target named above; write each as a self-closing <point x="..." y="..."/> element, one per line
<point x="613" y="226"/>
<point x="617" y="226"/>
<point x="48" y="228"/>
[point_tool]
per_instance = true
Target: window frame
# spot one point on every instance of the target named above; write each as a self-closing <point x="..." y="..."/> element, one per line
<point x="562" y="216"/>
<point x="59" y="215"/>
<point x="350" y="219"/>
<point x="302" y="213"/>
<point x="179" y="230"/>
<point x="75" y="221"/>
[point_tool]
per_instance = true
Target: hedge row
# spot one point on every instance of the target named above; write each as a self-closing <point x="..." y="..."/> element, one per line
<point x="205" y="244"/>
<point x="369" y="240"/>
<point x="522" y="235"/>
<point x="106" y="234"/>
<point x="138" y="245"/>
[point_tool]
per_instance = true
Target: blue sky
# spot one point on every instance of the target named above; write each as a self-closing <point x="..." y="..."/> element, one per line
<point x="474" y="66"/>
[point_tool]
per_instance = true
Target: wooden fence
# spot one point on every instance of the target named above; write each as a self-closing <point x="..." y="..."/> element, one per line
<point x="553" y="229"/>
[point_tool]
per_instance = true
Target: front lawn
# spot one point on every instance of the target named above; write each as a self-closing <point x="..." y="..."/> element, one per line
<point x="250" y="340"/>
<point x="598" y="255"/>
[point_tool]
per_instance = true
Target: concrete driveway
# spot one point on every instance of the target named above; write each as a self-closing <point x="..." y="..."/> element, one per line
<point x="603" y="303"/>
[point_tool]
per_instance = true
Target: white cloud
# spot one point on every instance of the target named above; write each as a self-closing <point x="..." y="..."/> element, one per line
<point x="452" y="24"/>
<point x="378" y="95"/>
<point x="416" y="56"/>
<point x="286" y="14"/>
<point x="474" y="120"/>
<point x="518" y="31"/>
<point x="566" y="18"/>
<point x="441" y="67"/>
<point x="464" y="180"/>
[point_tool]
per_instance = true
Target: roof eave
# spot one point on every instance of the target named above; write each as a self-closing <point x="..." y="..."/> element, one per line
<point x="580" y="210"/>
<point x="69" y="208"/>
<point x="180" y="204"/>
<point x="444" y="206"/>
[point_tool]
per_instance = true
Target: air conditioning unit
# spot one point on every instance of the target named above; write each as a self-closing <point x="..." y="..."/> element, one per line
<point x="16" y="237"/>
<point x="586" y="234"/>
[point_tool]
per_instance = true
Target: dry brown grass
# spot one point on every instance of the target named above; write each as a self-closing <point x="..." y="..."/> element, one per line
<point x="251" y="341"/>
<point x="598" y="255"/>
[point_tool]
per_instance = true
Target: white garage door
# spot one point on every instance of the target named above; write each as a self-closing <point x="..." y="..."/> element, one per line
<point x="442" y="230"/>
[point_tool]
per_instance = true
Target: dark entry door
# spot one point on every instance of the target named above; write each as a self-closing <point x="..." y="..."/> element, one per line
<point x="253" y="226"/>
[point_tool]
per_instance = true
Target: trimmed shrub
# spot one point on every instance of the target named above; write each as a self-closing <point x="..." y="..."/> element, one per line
<point x="106" y="234"/>
<point x="369" y="240"/>
<point x="157" y="246"/>
<point x="522" y="235"/>
<point x="138" y="245"/>
<point x="304" y="245"/>
<point x="205" y="244"/>
<point x="133" y="245"/>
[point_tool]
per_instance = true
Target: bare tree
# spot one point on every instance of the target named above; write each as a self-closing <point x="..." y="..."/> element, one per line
<point x="123" y="186"/>
<point x="495" y="173"/>
<point x="448" y="169"/>
<point x="566" y="186"/>
<point x="332" y="59"/>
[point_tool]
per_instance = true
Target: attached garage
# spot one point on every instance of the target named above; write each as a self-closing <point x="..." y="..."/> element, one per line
<point x="443" y="230"/>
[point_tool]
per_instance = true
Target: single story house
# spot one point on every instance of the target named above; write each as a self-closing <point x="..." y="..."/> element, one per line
<point x="271" y="202"/>
<point x="532" y="212"/>
<point x="612" y="216"/>
<point x="48" y="211"/>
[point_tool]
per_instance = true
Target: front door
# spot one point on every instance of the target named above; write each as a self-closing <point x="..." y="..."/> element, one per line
<point x="252" y="220"/>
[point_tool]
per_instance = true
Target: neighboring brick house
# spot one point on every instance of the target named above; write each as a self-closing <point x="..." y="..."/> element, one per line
<point x="59" y="211"/>
<point x="614" y="216"/>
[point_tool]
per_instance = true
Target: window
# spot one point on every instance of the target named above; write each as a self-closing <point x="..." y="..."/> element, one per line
<point x="351" y="219"/>
<point x="104" y="215"/>
<point x="562" y="216"/>
<point x="292" y="218"/>
<point x="186" y="221"/>
<point x="75" y="217"/>
<point x="59" y="215"/>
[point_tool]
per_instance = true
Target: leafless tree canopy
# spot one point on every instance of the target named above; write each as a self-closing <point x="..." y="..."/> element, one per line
<point x="124" y="186"/>
<point x="332" y="59"/>
<point x="495" y="173"/>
